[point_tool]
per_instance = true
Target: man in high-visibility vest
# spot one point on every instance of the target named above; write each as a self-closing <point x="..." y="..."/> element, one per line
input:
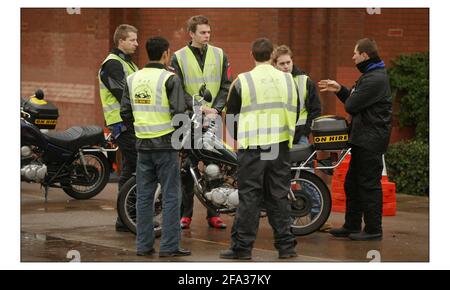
<point x="311" y="108"/>
<point x="196" y="64"/>
<point x="112" y="78"/>
<point x="153" y="95"/>
<point x="267" y="103"/>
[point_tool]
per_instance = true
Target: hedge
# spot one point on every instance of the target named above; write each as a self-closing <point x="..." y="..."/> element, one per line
<point x="408" y="166"/>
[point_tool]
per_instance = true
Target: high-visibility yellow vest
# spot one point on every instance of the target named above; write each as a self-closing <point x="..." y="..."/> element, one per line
<point x="194" y="77"/>
<point x="148" y="97"/>
<point x="268" y="108"/>
<point x="111" y="107"/>
<point x="302" y="91"/>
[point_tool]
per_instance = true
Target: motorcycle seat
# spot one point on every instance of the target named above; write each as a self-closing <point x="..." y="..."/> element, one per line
<point x="300" y="152"/>
<point x="76" y="137"/>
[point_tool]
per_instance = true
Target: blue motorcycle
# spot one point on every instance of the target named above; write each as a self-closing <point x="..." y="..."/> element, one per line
<point x="73" y="160"/>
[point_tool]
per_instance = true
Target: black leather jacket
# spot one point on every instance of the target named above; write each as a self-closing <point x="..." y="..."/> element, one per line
<point x="369" y="103"/>
<point x="112" y="74"/>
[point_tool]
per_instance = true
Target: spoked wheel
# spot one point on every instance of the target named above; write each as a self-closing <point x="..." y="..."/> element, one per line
<point x="126" y="206"/>
<point x="87" y="185"/>
<point x="312" y="204"/>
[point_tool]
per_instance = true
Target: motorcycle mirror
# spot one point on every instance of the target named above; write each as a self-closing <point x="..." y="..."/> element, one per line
<point x="205" y="93"/>
<point x="39" y="94"/>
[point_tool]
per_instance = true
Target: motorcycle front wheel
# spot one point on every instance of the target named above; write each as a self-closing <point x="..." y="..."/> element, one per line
<point x="86" y="186"/>
<point x="126" y="207"/>
<point x="312" y="204"/>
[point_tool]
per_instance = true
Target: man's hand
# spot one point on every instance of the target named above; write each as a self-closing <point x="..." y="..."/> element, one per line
<point x="209" y="112"/>
<point x="329" y="86"/>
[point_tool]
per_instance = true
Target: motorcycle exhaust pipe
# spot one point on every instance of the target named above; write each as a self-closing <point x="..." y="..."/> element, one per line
<point x="194" y="176"/>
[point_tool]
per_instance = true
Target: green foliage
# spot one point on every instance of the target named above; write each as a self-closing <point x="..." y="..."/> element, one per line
<point x="409" y="78"/>
<point x="408" y="162"/>
<point x="408" y="166"/>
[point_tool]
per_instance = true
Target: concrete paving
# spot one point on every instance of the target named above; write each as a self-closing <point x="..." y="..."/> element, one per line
<point x="50" y="230"/>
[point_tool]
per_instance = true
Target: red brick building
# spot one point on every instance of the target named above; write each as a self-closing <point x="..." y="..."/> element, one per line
<point x="61" y="49"/>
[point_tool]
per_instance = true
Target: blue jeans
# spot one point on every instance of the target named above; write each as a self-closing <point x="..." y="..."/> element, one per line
<point x="315" y="198"/>
<point x="154" y="167"/>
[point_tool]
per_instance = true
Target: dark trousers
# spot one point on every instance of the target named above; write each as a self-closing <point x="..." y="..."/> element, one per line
<point x="262" y="183"/>
<point x="363" y="191"/>
<point x="187" y="206"/>
<point x="127" y="145"/>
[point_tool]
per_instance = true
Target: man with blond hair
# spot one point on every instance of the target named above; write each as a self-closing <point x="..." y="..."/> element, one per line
<point x="112" y="79"/>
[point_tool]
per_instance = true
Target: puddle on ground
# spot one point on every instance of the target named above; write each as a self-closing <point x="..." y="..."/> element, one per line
<point x="61" y="208"/>
<point x="36" y="247"/>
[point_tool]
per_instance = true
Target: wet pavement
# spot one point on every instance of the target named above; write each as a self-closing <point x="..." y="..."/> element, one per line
<point x="63" y="229"/>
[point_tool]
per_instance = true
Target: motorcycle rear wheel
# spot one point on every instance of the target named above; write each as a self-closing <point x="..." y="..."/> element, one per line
<point x="312" y="206"/>
<point x="126" y="206"/>
<point x="86" y="187"/>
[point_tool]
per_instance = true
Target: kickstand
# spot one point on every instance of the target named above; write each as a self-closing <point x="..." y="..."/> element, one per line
<point x="45" y="191"/>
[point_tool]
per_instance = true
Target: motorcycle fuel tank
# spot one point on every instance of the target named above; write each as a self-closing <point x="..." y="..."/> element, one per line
<point x="31" y="135"/>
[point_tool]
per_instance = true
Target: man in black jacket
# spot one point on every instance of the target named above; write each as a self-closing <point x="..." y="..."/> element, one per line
<point x="369" y="103"/>
<point x="112" y="79"/>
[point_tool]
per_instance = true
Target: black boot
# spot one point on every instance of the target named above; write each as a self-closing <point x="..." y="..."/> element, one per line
<point x="234" y="255"/>
<point x="120" y="227"/>
<point x="342" y="232"/>
<point x="363" y="236"/>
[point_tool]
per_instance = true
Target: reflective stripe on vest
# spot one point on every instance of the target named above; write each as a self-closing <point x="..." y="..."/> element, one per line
<point x="301" y="81"/>
<point x="150" y="104"/>
<point x="254" y="106"/>
<point x="265" y="131"/>
<point x="194" y="77"/>
<point x="110" y="105"/>
<point x="268" y="109"/>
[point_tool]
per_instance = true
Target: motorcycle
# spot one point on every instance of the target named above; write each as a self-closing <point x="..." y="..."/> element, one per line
<point x="73" y="160"/>
<point x="214" y="170"/>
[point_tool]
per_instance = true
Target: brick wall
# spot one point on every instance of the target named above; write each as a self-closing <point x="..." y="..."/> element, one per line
<point x="61" y="52"/>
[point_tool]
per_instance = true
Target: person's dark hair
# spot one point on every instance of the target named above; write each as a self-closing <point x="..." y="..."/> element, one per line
<point x="368" y="46"/>
<point x="262" y="49"/>
<point x="194" y="21"/>
<point x="156" y="46"/>
<point x="122" y="32"/>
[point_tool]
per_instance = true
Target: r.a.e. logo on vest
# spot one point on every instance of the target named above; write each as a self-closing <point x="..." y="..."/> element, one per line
<point x="142" y="97"/>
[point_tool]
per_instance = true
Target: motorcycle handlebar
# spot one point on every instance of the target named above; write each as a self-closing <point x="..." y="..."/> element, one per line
<point x="24" y="114"/>
<point x="196" y="111"/>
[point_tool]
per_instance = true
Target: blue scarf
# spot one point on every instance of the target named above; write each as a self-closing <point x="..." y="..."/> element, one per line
<point x="373" y="66"/>
<point x="370" y="64"/>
